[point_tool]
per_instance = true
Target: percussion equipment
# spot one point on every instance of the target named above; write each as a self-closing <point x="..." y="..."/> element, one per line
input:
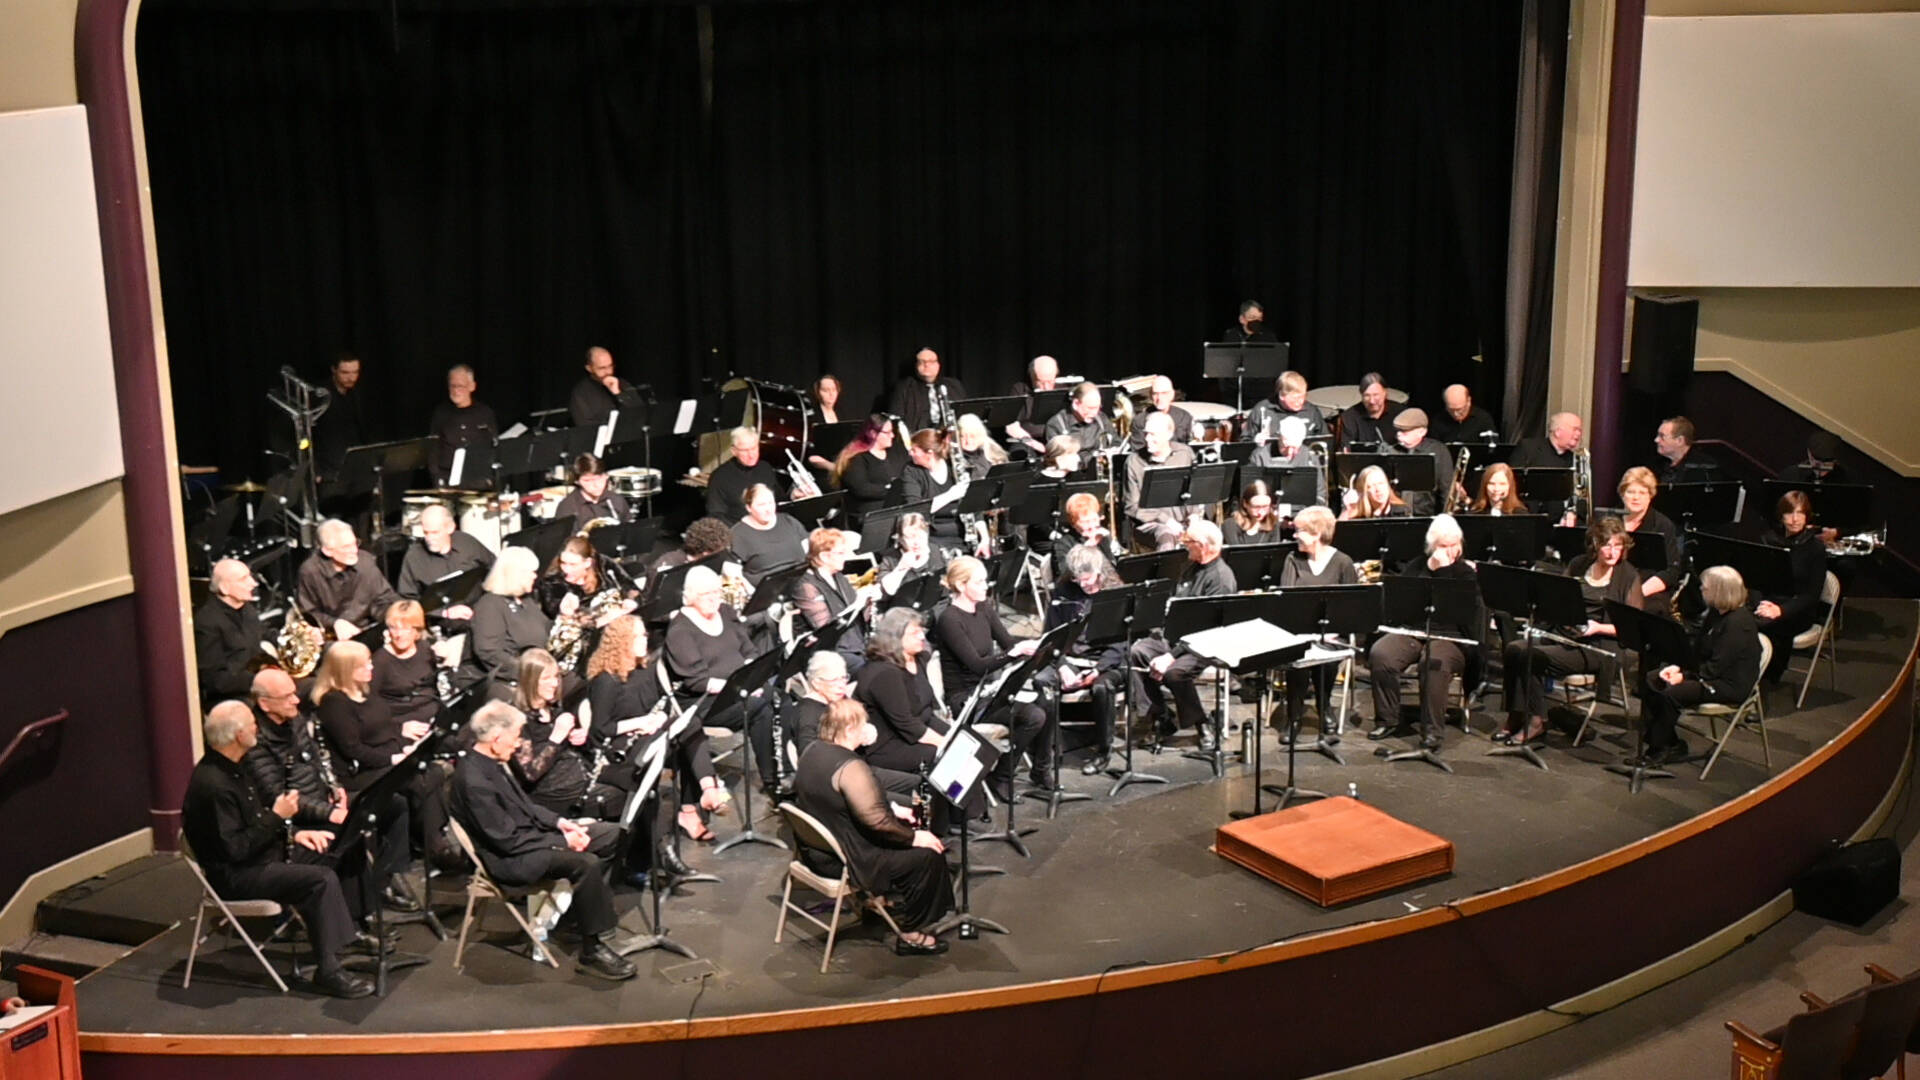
<point x="411" y="508"/>
<point x="634" y="482"/>
<point x="245" y="487"/>
<point x="542" y="503"/>
<point x="490" y="518"/>
<point x="1212" y="422"/>
<point x="779" y="412"/>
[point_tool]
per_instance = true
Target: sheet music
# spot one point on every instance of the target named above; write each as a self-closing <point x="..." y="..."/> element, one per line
<point x="605" y="434"/>
<point x="514" y="432"/>
<point x="959" y="766"/>
<point x="683" y="420"/>
<point x="459" y="467"/>
<point x="1230" y="645"/>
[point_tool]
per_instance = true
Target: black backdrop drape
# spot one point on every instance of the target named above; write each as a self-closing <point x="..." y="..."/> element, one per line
<point x="782" y="189"/>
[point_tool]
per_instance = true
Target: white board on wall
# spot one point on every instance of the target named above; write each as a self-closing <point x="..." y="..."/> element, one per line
<point x="1778" y="151"/>
<point x="59" y="423"/>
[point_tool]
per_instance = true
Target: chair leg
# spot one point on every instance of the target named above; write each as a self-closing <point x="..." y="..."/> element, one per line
<point x="786" y="904"/>
<point x="833" y="929"/>
<point x="194" y="950"/>
<point x="540" y="950"/>
<point x="1766" y="750"/>
<point x="1733" y="723"/>
<point x="257" y="954"/>
<point x="466" y="923"/>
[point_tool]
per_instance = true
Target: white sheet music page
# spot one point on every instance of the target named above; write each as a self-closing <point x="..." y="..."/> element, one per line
<point x="1232" y="644"/>
<point x="459" y="467"/>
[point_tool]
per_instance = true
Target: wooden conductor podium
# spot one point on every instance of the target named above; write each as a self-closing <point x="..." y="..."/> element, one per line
<point x="1335" y="851"/>
<point x="47" y="1046"/>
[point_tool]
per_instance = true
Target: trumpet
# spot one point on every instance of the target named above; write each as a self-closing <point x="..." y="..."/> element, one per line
<point x="804" y="486"/>
<point x="1865" y="543"/>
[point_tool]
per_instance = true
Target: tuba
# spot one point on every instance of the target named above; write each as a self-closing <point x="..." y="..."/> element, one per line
<point x="298" y="647"/>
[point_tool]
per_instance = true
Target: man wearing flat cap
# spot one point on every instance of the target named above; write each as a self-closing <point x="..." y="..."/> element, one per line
<point x="1410" y="437"/>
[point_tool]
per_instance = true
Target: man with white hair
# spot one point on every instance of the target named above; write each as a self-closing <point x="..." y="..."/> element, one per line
<point x="1043" y="374"/>
<point x="522" y="843"/>
<point x="1160" y="400"/>
<point x="459" y="423"/>
<point x="1158" y="528"/>
<point x="441" y="552"/>
<point x="227" y="632"/>
<point x="239" y="835"/>
<point x="728" y="483"/>
<point x="1171" y="664"/>
<point x="340" y="587"/>
<point x="1393" y="654"/>
<point x="1555" y="451"/>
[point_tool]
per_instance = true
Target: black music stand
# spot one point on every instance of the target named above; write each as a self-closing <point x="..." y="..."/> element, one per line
<point x="1406" y="472"/>
<point x="999" y="688"/>
<point x="1506" y="538"/>
<point x="1152" y="566"/>
<point x="827" y="440"/>
<point x="1845" y="507"/>
<point x="364" y="819"/>
<point x="545" y="539"/>
<point x="1258" y="566"/>
<point x="1191" y="488"/>
<point x="1544" y="487"/>
<point x="1649" y="635"/>
<point x="1394" y="541"/>
<point x="746" y="680"/>
<point x="817" y="511"/>
<point x="1410" y="600"/>
<point x="1329" y="611"/>
<point x="1718" y="502"/>
<point x="1046" y="403"/>
<point x="461" y="587"/>
<point x="876" y="528"/>
<point x="1120" y="616"/>
<point x="366" y="468"/>
<point x="1296" y="486"/>
<point x="1262" y="361"/>
<point x="1483" y="453"/>
<point x="1531" y="596"/>
<point x="995" y="412"/>
<point x="1246" y="645"/>
<point x="1191" y="615"/>
<point x="962" y="763"/>
<point x="659" y="882"/>
<point x="663" y="596"/>
<point x="1766" y="570"/>
<point x="523" y="455"/>
<point x="621" y="542"/>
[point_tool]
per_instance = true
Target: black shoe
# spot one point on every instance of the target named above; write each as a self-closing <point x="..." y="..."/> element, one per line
<point x="1204" y="737"/>
<point x="1430" y="742"/>
<point x="1386" y="730"/>
<point x="1097" y="766"/>
<point x="670" y="860"/>
<point x="599" y="960"/>
<point x="1046" y="779"/>
<point x="341" y="983"/>
<point x="1002" y="788"/>
<point x="1668" y="754"/>
<point x="448" y="859"/>
<point x="903" y="947"/>
<point x="394" y="899"/>
<point x="365" y="942"/>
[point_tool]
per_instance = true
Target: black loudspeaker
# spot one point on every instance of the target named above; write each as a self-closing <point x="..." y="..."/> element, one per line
<point x="1663" y="333"/>
<point x="1849" y="884"/>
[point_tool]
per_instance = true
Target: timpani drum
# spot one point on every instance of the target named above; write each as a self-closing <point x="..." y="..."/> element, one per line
<point x="411" y="507"/>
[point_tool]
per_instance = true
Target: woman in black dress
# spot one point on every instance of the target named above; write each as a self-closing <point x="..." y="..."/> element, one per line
<point x="403" y="673"/>
<point x="1253" y="521"/>
<point x="973" y="642"/>
<point x="1783" y="617"/>
<point x="1638" y="486"/>
<point x="931" y="477"/>
<point x="1499" y="493"/>
<point x="1604" y="574"/>
<point x="706" y="642"/>
<point x="507" y="619"/>
<point x="869" y="469"/>
<point x="894" y="687"/>
<point x="1315" y="562"/>
<point x="886" y="856"/>
<point x="551" y="761"/>
<point x="824" y="592"/>
<point x="367" y="741"/>
<point x="627" y="712"/>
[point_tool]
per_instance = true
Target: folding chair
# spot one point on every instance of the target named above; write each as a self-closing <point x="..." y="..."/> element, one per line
<point x="482" y="888"/>
<point x="228" y="914"/>
<point x="808" y="832"/>
<point x="1751" y="711"/>
<point x="1819" y="639"/>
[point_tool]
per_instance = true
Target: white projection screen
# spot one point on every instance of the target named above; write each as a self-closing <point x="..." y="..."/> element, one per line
<point x="1778" y="151"/>
<point x="59" y="424"/>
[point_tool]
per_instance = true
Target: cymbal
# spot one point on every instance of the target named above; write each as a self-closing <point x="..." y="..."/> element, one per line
<point x="444" y="492"/>
<point x="248" y="487"/>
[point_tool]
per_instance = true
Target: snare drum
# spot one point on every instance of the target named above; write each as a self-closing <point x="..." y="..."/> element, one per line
<point x="1212" y="422"/>
<point x="488" y="518"/>
<point x="542" y="503"/>
<point x="411" y="507"/>
<point x="634" y="482"/>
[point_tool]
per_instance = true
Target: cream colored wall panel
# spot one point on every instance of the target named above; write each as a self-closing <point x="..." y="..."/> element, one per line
<point x="62" y="554"/>
<point x="36" y="54"/>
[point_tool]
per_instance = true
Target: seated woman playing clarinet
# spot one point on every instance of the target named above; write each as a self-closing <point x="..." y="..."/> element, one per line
<point x="898" y="695"/>
<point x="824" y="592"/>
<point x="1604" y="574"/>
<point x="973" y="642"/>
<point x="1783" y="617"/>
<point x="888" y="857"/>
<point x="1373" y="496"/>
<point x="1499" y="494"/>
<point x="914" y="554"/>
<point x="1253" y="520"/>
<point x="625" y="700"/>
<point x="1727" y="644"/>
<point x="1315" y="562"/>
<point x="1085" y="528"/>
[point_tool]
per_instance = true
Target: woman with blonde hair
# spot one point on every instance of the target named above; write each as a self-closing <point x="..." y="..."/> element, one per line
<point x="1638" y="486"/>
<point x="368" y="741"/>
<point x="1373" y="496"/>
<point x="973" y="641"/>
<point x="629" y="711"/>
<point x="507" y="619"/>
<point x="977" y="448"/>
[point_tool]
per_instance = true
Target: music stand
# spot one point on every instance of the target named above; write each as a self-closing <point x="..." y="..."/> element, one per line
<point x="1411" y="599"/>
<point x="1045" y="403"/>
<point x="1188" y="487"/>
<point x="658" y="881"/>
<point x="365" y="470"/>
<point x="544" y="540"/>
<point x="1120" y="616"/>
<point x="1329" y="611"/>
<point x="922" y="592"/>
<point x="746" y="680"/>
<point x="995" y="412"/>
<point x="1649" y="635"/>
<point x="460" y="587"/>
<point x="365" y="818"/>
<point x="1544" y="487"/>
<point x="1506" y="538"/>
<point x="1295" y="486"/>
<point x="1531" y="595"/>
<point x="1258" y="566"/>
<point x="621" y="542"/>
<point x="1152" y="566"/>
<point x="1845" y="507"/>
<point x="1766" y="570"/>
<point x="996" y="692"/>
<point x="876" y="528"/>
<point x="1393" y="541"/>
<point x="1717" y="502"/>
<point x="1244" y="645"/>
<point x="817" y="511"/>
<point x="1406" y="472"/>
<point x="827" y="440"/>
<point x="663" y="599"/>
<point x="1483" y="453"/>
<point x="1243" y="360"/>
<point x="963" y="761"/>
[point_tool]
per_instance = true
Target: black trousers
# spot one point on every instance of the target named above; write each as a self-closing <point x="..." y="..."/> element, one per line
<point x="1029" y="731"/>
<point x="592" y="910"/>
<point x="1320" y="680"/>
<point x="1391" y="656"/>
<point x="1179" y="679"/>
<point x="757" y="715"/>
<point x="360" y="882"/>
<point x="304" y="884"/>
<point x="1661" y="705"/>
<point x="1526" y="690"/>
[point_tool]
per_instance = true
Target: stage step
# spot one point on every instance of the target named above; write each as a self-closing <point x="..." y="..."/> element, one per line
<point x="73" y="956"/>
<point x="128" y="905"/>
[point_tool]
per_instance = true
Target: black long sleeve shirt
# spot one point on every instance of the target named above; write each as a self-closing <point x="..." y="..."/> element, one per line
<point x="225" y="641"/>
<point x="421" y="568"/>
<point x="288" y="757"/>
<point x="228" y="820"/>
<point x="972" y="643"/>
<point x="359" y="593"/>
<point x="452" y="428"/>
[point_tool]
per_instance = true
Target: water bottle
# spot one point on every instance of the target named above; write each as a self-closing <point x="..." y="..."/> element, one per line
<point x="1353" y="791"/>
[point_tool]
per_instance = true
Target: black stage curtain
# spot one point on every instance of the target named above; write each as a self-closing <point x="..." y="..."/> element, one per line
<point x="782" y="189"/>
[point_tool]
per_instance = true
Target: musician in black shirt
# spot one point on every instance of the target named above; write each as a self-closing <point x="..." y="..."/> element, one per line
<point x="341" y="587"/>
<point x="1782" y="618"/>
<point x="1082" y="420"/>
<point x="1170" y="664"/>
<point x="974" y="642"/>
<point x="441" y="552"/>
<point x="1460" y="420"/>
<point x="240" y="837"/>
<point x="1252" y="325"/>
<point x="871" y="467"/>
<point x="1370" y="421"/>
<point x="1684" y="464"/>
<point x="728" y="483"/>
<point x="590" y="498"/>
<point x="227" y="632"/>
<point x="824" y="592"/>
<point x="1555" y="449"/>
<point x="345" y="423"/>
<point x="600" y="392"/>
<point x="926" y="399"/>
<point x="460" y="423"/>
<point x="1727" y="644"/>
<point x="1099" y="670"/>
<point x="1393" y="654"/>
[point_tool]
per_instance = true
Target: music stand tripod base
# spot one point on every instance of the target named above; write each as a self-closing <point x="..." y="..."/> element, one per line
<point x="1430" y="757"/>
<point x="1524" y="750"/>
<point x="1638" y="775"/>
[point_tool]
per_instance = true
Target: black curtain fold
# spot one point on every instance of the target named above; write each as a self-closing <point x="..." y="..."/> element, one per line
<point x="504" y="185"/>
<point x="1533" y="235"/>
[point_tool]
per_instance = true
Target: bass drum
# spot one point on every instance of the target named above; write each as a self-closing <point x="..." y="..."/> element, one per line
<point x="1212" y="422"/>
<point x="780" y="414"/>
<point x="489" y="518"/>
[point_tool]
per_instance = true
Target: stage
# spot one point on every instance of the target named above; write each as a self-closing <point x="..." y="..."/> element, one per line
<point x="1120" y="895"/>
